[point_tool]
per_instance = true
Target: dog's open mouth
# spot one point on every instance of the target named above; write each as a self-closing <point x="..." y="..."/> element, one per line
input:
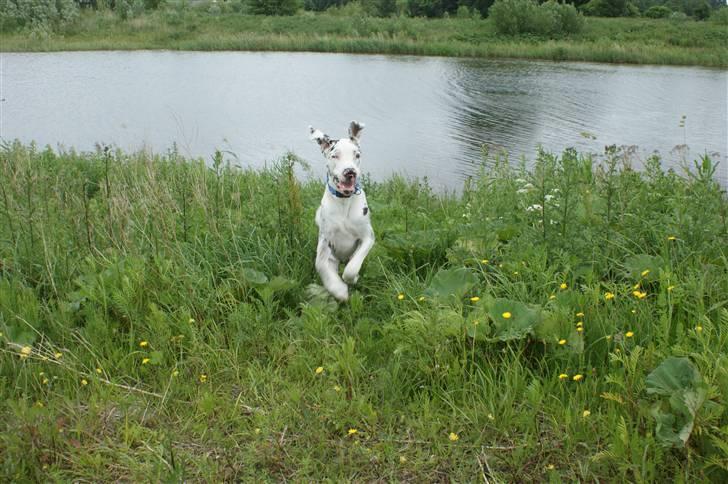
<point x="347" y="183"/>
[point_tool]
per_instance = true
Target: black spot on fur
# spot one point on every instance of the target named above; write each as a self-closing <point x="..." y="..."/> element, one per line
<point x="366" y="210"/>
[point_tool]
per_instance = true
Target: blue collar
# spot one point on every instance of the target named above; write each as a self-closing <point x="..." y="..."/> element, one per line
<point x="338" y="194"/>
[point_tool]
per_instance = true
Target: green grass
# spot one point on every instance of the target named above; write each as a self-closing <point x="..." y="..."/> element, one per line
<point x="212" y="267"/>
<point x="623" y="40"/>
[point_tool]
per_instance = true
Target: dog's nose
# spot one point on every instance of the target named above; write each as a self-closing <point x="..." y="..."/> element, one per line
<point x="349" y="173"/>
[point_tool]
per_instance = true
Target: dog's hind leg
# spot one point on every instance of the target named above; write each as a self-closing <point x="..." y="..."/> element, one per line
<point x="351" y="271"/>
<point x="328" y="268"/>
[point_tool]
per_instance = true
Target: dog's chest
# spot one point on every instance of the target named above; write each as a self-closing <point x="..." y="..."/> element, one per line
<point x="343" y="225"/>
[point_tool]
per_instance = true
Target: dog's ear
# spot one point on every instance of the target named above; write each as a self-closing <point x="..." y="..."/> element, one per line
<point x="322" y="139"/>
<point x="355" y="129"/>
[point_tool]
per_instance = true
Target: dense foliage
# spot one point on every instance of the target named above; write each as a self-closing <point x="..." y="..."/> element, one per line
<point x="160" y="320"/>
<point x="514" y="17"/>
<point x="54" y="15"/>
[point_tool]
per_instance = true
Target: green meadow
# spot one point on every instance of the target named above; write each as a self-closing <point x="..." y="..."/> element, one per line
<point x="614" y="40"/>
<point x="161" y="320"/>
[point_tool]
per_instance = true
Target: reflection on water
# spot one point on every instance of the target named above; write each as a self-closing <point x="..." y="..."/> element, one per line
<point x="425" y="116"/>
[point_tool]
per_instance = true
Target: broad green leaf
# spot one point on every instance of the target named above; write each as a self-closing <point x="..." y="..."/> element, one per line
<point x="451" y="283"/>
<point x="643" y="267"/>
<point x="512" y="319"/>
<point x="253" y="277"/>
<point x="279" y="283"/>
<point x="672" y="375"/>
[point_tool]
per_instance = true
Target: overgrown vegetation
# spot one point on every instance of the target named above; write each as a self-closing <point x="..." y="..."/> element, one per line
<point x="514" y="17"/>
<point x="160" y="320"/>
<point x="642" y="41"/>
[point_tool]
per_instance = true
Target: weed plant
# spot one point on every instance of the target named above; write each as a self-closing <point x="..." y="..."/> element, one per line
<point x="160" y="319"/>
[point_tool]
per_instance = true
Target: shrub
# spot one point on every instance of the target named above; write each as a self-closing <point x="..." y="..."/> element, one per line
<point x="606" y="8"/>
<point x="658" y="11"/>
<point x="720" y="16"/>
<point x="127" y="9"/>
<point x="273" y="7"/>
<point x="514" y="17"/>
<point x="36" y="14"/>
<point x="431" y="8"/>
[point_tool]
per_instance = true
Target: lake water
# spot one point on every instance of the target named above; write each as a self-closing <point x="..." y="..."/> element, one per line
<point x="424" y="116"/>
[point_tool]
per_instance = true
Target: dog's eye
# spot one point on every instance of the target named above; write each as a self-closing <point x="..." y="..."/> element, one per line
<point x="357" y="156"/>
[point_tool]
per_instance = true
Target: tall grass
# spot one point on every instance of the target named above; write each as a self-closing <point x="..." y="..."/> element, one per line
<point x="161" y="319"/>
<point x="623" y="40"/>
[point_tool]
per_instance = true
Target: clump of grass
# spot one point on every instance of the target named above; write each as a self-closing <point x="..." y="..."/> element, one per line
<point x="160" y="319"/>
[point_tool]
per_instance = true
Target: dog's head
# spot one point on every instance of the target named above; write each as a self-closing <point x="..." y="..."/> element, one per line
<point x="342" y="157"/>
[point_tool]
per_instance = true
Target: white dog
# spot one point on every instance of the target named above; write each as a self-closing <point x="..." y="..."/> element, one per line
<point x="343" y="218"/>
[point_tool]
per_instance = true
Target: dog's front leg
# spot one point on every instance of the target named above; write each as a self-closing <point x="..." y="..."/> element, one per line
<point x="351" y="271"/>
<point x="328" y="268"/>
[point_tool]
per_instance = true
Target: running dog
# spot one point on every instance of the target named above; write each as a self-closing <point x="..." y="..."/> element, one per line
<point x="343" y="218"/>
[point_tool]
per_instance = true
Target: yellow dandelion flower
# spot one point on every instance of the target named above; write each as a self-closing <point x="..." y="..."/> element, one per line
<point x="491" y="417"/>
<point x="608" y="296"/>
<point x="629" y="334"/>
<point x="402" y="459"/>
<point x="352" y="431"/>
<point x="579" y="315"/>
<point x="191" y="321"/>
<point x="563" y="376"/>
<point x="143" y="344"/>
<point x="453" y="437"/>
<point x="671" y="238"/>
<point x="515" y="273"/>
<point x="639" y="294"/>
<point x="145" y="361"/>
<point x="45" y="381"/>
<point x="175" y="372"/>
<point x="99" y="371"/>
<point x="645" y="272"/>
<point x="337" y="388"/>
<point x="698" y="328"/>
<point x="552" y="296"/>
<point x="636" y="286"/>
<point x="578" y="377"/>
<point x="257" y="431"/>
<point x="421" y="298"/>
<point x="608" y="337"/>
<point x="39" y="404"/>
<point x="319" y="370"/>
<point x="474" y="299"/>
<point x="58" y="355"/>
<point x="203" y="378"/>
<point x="25" y="352"/>
<point x="579" y="329"/>
<point x="550" y="467"/>
<point x="563" y="285"/>
<point x="670" y="288"/>
<point x="579" y="323"/>
<point x="585" y="413"/>
<point x="562" y="341"/>
<point x="506" y="315"/>
<point x="41" y="373"/>
<point x="84" y="382"/>
<point x="634" y="311"/>
<point x="400" y="296"/>
<point x="484" y="261"/>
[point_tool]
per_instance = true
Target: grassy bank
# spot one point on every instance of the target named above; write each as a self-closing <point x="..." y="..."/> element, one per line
<point x="158" y="322"/>
<point x="622" y="40"/>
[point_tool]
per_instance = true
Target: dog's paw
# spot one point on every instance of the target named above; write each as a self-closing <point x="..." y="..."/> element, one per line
<point x="350" y="277"/>
<point x="339" y="290"/>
